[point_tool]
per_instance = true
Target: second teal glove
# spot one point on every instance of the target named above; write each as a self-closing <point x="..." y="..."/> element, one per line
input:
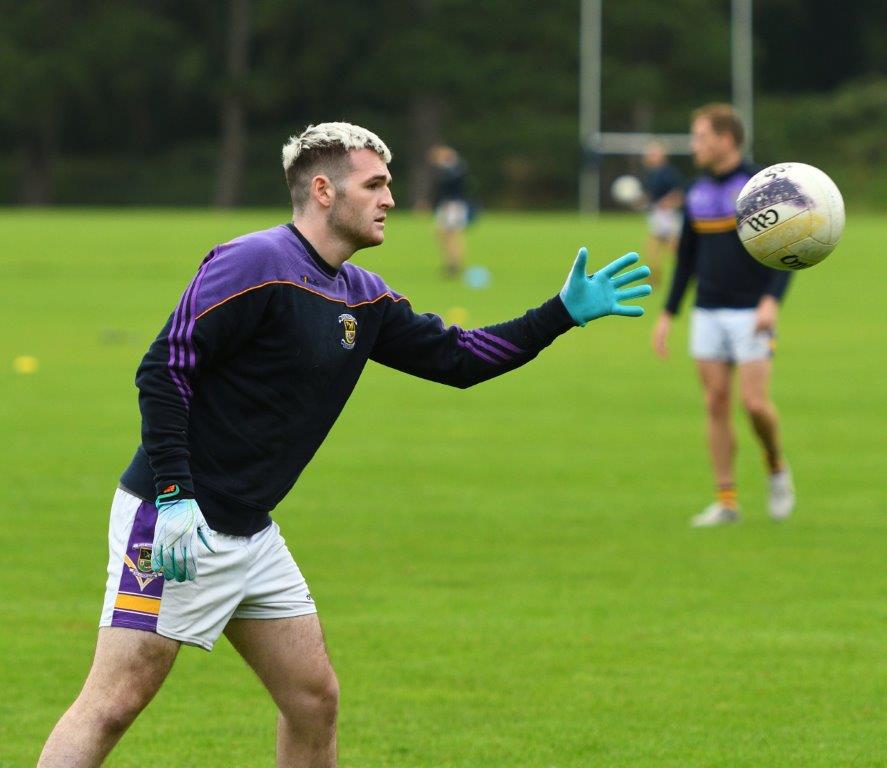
<point x="180" y="524"/>
<point x="589" y="297"/>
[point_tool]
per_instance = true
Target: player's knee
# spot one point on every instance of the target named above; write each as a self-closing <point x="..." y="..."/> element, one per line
<point x="114" y="722"/>
<point x="717" y="402"/>
<point x="317" y="704"/>
<point x="113" y="716"/>
<point x="329" y="698"/>
<point x="325" y="699"/>
<point x="755" y="406"/>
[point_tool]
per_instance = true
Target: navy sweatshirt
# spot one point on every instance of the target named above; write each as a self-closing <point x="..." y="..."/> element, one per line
<point x="261" y="353"/>
<point x="710" y="249"/>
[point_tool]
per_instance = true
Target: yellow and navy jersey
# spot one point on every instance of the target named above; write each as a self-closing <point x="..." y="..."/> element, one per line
<point x="710" y="251"/>
<point x="258" y="358"/>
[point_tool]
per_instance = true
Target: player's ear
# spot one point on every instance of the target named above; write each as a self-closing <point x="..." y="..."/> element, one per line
<point x="322" y="190"/>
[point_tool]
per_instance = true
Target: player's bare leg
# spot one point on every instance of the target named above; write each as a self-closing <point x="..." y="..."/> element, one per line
<point x="653" y="257"/>
<point x="290" y="659"/>
<point x="128" y="669"/>
<point x="754" y="388"/>
<point x="715" y="376"/>
<point x="716" y="379"/>
<point x="754" y="385"/>
<point x="658" y="251"/>
<point x="452" y="243"/>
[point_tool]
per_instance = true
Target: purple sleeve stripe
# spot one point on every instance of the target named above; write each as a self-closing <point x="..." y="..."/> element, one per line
<point x="186" y="397"/>
<point x="481" y="344"/>
<point x="176" y="358"/>
<point x="496" y="340"/>
<point x="172" y="362"/>
<point x="192" y="319"/>
<point x="178" y="331"/>
<point x="468" y="344"/>
<point x="182" y="355"/>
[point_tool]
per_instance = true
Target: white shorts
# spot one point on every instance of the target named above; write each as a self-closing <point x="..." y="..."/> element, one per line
<point x="665" y="223"/>
<point x="728" y="335"/>
<point x="452" y="215"/>
<point x="247" y="577"/>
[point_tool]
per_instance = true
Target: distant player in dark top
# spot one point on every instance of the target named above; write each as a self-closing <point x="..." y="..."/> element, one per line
<point x="734" y="321"/>
<point x="449" y="199"/>
<point x="664" y="187"/>
<point x="237" y="392"/>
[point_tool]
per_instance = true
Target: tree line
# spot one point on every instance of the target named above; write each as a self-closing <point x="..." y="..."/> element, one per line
<point x="188" y="101"/>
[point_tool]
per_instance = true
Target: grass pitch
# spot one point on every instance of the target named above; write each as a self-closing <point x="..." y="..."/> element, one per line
<point x="505" y="575"/>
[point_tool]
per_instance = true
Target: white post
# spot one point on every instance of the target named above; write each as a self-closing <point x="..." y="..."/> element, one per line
<point x="590" y="105"/>
<point x="742" y="67"/>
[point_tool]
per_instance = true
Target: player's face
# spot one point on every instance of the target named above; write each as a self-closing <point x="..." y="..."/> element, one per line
<point x="709" y="148"/>
<point x="362" y="201"/>
<point x="654" y="156"/>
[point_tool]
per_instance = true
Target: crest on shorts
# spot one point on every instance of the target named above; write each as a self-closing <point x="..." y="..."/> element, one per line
<point x="144" y="561"/>
<point x="140" y="569"/>
<point x="349" y="330"/>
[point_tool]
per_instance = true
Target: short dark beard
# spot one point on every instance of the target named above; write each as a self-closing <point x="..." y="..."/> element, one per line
<point x="343" y="228"/>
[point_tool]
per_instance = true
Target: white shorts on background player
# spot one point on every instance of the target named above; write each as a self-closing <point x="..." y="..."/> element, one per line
<point x="452" y="215"/>
<point x="247" y="577"/>
<point x="728" y="335"/>
<point x="665" y="223"/>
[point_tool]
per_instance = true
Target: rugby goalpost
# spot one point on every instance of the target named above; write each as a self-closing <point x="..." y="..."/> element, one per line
<point x="596" y="143"/>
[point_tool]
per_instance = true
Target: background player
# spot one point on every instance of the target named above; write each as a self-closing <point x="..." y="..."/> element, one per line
<point x="237" y="393"/>
<point x="449" y="199"/>
<point x="665" y="196"/>
<point x="734" y="321"/>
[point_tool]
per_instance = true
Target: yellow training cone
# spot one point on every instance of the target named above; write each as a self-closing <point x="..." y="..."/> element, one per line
<point x="456" y="316"/>
<point x="25" y="364"/>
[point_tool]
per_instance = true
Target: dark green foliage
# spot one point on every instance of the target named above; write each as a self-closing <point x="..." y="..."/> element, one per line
<point x="120" y="102"/>
<point x="841" y="132"/>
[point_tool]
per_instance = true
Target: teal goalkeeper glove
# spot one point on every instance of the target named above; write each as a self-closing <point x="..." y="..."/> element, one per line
<point x="587" y="298"/>
<point x="179" y="524"/>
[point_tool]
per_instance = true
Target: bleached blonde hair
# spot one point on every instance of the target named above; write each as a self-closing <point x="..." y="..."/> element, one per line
<point x="332" y="135"/>
<point x="324" y="149"/>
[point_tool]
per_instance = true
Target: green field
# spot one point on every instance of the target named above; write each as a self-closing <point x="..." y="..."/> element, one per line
<point x="505" y="575"/>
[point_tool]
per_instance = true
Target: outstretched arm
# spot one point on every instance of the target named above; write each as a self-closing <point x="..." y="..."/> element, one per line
<point x="422" y="346"/>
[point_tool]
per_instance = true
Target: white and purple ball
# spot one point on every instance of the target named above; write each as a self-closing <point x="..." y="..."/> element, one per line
<point x="790" y="216"/>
